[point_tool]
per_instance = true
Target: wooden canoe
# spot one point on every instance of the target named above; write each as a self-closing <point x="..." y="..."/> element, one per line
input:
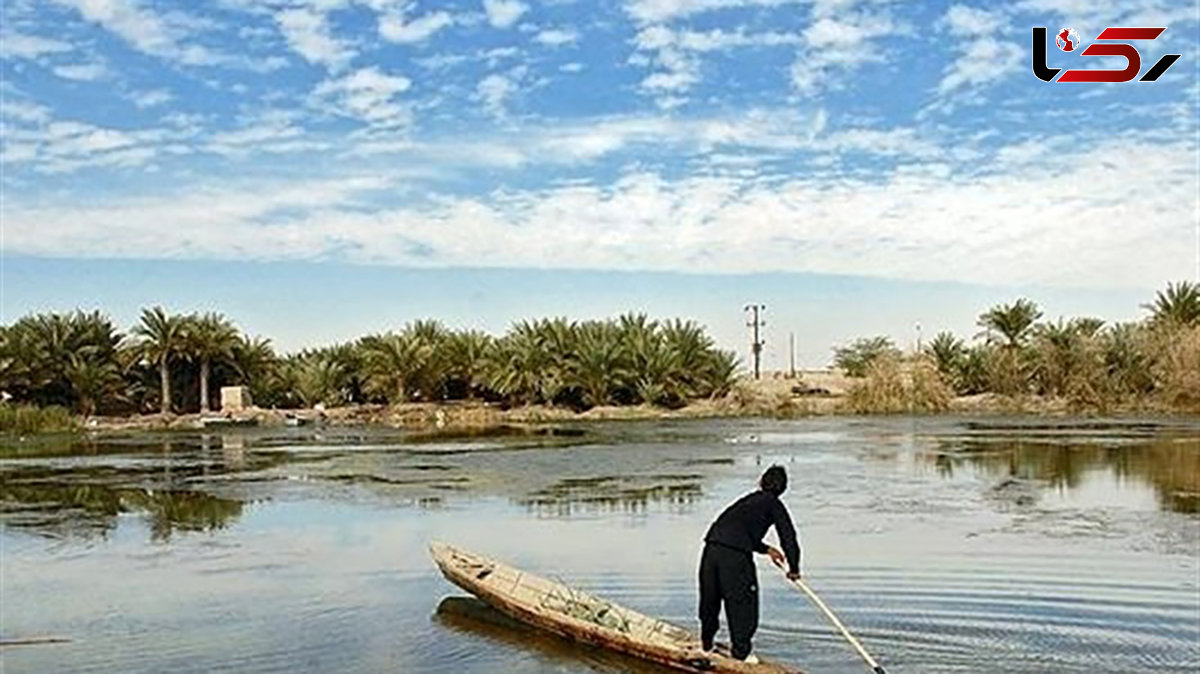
<point x="578" y="616"/>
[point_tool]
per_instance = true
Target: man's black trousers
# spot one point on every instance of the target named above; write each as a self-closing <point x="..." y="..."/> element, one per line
<point x="728" y="576"/>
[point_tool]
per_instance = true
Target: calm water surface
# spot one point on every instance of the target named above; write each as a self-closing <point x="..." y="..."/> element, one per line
<point x="947" y="545"/>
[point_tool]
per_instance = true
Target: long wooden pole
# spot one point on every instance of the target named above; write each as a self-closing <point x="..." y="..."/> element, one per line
<point x="799" y="583"/>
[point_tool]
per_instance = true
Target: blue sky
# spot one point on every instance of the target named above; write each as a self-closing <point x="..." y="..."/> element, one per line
<point x="647" y="153"/>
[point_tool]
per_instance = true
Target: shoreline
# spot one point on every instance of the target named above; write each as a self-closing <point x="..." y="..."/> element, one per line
<point x="480" y="416"/>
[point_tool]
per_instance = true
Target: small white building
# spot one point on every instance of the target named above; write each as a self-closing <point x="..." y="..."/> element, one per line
<point x="235" y="398"/>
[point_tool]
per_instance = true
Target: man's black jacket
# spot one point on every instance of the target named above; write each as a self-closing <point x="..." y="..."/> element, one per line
<point x="743" y="525"/>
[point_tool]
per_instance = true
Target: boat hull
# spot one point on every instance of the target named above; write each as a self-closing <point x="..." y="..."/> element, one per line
<point x="574" y="615"/>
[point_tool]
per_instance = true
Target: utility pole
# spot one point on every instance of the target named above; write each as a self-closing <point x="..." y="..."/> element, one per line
<point x="918" y="338"/>
<point x="792" y="352"/>
<point x="757" y="345"/>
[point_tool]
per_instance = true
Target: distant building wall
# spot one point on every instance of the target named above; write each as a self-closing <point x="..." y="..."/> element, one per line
<point x="235" y="398"/>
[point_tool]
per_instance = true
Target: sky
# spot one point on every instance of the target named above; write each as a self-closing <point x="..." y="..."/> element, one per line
<point x="318" y="169"/>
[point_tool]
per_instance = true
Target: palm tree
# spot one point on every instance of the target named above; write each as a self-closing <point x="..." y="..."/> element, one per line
<point x="391" y="362"/>
<point x="318" y="379"/>
<point x="1179" y="304"/>
<point x="207" y="338"/>
<point x="1013" y="321"/>
<point x="1128" y="359"/>
<point x="93" y="380"/>
<point x="1087" y="326"/>
<point x="428" y="373"/>
<point x="466" y="359"/>
<point x="858" y="356"/>
<point x="692" y="351"/>
<point x="596" y="362"/>
<point x="253" y="359"/>
<point x="949" y="354"/>
<point x="162" y="336"/>
<point x="518" y="365"/>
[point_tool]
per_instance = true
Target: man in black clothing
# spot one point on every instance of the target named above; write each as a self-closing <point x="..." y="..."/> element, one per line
<point x="727" y="571"/>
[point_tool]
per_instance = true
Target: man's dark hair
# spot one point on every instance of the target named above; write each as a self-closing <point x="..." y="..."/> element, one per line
<point x="774" y="480"/>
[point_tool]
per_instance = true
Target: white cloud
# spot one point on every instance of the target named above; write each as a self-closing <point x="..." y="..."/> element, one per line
<point x="84" y="72"/>
<point x="655" y="11"/>
<point x="556" y="37"/>
<point x="839" y="38"/>
<point x="24" y="111"/>
<point x="494" y="91"/>
<point x="982" y="58"/>
<point x="308" y="34"/>
<point x="573" y="67"/>
<point x="367" y="94"/>
<point x="152" y="98"/>
<point x="754" y="131"/>
<point x="394" y="26"/>
<point x="61" y="146"/>
<point x="272" y="131"/>
<point x="674" y="53"/>
<point x="504" y="13"/>
<point x="1008" y="226"/>
<point x="29" y="46"/>
<point x="164" y="35"/>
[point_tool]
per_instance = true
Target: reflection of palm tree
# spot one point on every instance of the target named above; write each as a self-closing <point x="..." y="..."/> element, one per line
<point x="162" y="336"/>
<point x="1170" y="467"/>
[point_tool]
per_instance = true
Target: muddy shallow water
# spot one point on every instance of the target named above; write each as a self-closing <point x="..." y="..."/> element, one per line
<point x="947" y="545"/>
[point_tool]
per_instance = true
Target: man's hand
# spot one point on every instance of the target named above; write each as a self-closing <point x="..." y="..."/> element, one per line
<point x="776" y="556"/>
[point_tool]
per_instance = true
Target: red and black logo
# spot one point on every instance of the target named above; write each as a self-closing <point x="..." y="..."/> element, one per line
<point x="1068" y="41"/>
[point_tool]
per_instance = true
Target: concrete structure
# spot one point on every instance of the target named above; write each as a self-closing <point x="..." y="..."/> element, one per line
<point x="235" y="398"/>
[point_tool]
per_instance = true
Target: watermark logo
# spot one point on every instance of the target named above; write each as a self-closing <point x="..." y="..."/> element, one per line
<point x="1066" y="39"/>
<point x="1114" y="45"/>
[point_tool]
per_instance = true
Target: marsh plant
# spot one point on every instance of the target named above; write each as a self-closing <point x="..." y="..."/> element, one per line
<point x="1083" y="361"/>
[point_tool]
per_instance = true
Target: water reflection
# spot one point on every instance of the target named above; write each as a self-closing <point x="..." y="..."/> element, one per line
<point x="1171" y="466"/>
<point x="475" y="618"/>
<point x="64" y="510"/>
<point x="615" y="493"/>
<point x="80" y="488"/>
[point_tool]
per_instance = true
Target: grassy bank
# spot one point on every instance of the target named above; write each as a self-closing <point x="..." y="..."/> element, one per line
<point x="28" y="419"/>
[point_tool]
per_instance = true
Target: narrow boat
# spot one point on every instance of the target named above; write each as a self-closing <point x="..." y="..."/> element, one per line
<point x="578" y="616"/>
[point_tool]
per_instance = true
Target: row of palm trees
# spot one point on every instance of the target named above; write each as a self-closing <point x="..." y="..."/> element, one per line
<point x="629" y="360"/>
<point x="173" y="362"/>
<point x="1084" y="359"/>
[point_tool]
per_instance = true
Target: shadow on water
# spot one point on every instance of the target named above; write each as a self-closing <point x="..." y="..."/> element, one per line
<point x="471" y="616"/>
<point x="1171" y="466"/>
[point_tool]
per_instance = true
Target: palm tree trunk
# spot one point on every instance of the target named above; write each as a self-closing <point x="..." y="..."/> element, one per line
<point x="204" y="385"/>
<point x="164" y="376"/>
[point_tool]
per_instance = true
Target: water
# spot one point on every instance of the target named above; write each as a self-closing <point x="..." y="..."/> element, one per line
<point x="946" y="545"/>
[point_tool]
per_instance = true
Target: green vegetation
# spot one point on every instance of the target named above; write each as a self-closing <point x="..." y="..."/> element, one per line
<point x="856" y="359"/>
<point x="24" y="419"/>
<point x="173" y="362"/>
<point x="1082" y="361"/>
<point x="56" y="364"/>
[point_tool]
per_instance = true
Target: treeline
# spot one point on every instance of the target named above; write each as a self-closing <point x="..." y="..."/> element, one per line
<point x="177" y="362"/>
<point x="1084" y="360"/>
